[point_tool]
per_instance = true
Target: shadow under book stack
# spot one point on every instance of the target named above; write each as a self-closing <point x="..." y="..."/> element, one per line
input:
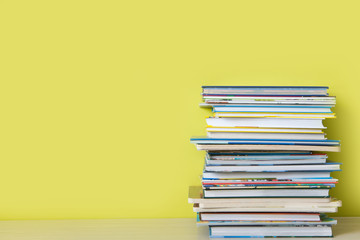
<point x="266" y="171"/>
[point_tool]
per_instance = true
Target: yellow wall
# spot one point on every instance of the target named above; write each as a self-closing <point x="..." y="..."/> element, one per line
<point x="99" y="98"/>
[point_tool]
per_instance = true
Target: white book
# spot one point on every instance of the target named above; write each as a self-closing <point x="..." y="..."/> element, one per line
<point x="294" y="109"/>
<point x="265" y="122"/>
<point x="274" y="204"/>
<point x="196" y="197"/>
<point x="255" y="135"/>
<point x="283" y="209"/>
<point x="263" y="130"/>
<point x="267" y="193"/>
<point x="270" y="231"/>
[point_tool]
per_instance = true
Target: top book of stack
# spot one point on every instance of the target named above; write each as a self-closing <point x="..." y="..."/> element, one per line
<point x="265" y="95"/>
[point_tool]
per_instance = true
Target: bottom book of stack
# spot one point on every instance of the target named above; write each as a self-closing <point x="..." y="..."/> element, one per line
<point x="264" y="217"/>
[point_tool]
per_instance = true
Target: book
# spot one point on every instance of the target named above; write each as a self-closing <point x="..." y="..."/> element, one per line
<point x="267" y="135"/>
<point x="260" y="217"/>
<point x="221" y="100"/>
<point x="208" y="140"/>
<point x="324" y="220"/>
<point x="263" y="155"/>
<point x="265" y="175"/>
<point x="241" y="147"/>
<point x="266" y="193"/>
<point x="283" y="204"/>
<point x="273" y="168"/>
<point x="275" y="115"/>
<point x="266" y="122"/>
<point x="265" y="90"/>
<point x="279" y="209"/>
<point x="196" y="196"/>
<point x="210" y="162"/>
<point x="263" y="130"/>
<point x="270" y="231"/>
<point x="272" y="109"/>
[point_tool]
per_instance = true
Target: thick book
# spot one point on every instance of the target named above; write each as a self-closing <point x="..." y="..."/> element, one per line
<point x="266" y="122"/>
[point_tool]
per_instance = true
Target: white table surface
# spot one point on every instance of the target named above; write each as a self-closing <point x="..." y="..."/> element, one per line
<point x="149" y="229"/>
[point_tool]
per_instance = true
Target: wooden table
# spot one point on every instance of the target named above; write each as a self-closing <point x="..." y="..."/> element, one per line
<point x="129" y="229"/>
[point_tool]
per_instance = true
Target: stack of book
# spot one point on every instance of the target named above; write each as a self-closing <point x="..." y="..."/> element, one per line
<point x="266" y="172"/>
